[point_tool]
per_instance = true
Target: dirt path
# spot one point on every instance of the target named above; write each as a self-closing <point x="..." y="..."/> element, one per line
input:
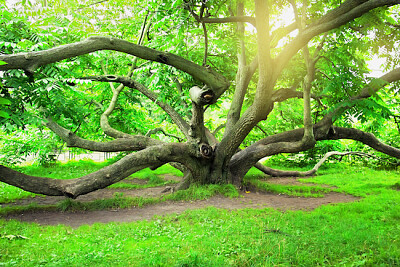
<point x="248" y="200"/>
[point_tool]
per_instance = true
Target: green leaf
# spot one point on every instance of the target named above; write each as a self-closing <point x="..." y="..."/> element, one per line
<point x="3" y="63"/>
<point x="4" y="114"/>
<point x="4" y="101"/>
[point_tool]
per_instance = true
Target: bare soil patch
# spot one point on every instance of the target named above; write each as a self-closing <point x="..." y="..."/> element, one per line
<point x="255" y="200"/>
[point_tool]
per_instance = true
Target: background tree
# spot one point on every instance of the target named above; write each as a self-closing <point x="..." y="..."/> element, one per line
<point x="293" y="86"/>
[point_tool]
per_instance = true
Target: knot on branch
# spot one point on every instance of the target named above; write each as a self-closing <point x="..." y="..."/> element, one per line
<point x="201" y="96"/>
<point x="162" y="58"/>
<point x="28" y="56"/>
<point x="111" y="77"/>
<point x="206" y="151"/>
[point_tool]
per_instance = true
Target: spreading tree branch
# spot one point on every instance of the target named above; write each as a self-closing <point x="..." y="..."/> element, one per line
<point x="104" y="122"/>
<point x="178" y="120"/>
<point x="159" y="129"/>
<point x="133" y="143"/>
<point x="289" y="142"/>
<point x="72" y="188"/>
<point x="346" y="12"/>
<point x="366" y="138"/>
<point x="282" y="173"/>
<point x="243" y="76"/>
<point x="32" y="60"/>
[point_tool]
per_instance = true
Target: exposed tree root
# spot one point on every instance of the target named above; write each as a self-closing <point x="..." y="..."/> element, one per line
<point x="184" y="184"/>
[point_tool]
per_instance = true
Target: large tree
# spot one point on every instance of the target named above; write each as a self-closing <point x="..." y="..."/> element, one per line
<point x="318" y="58"/>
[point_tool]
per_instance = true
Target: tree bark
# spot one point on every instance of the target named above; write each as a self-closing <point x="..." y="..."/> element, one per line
<point x="32" y="60"/>
<point x="133" y="143"/>
<point x="153" y="156"/>
<point x="281" y="173"/>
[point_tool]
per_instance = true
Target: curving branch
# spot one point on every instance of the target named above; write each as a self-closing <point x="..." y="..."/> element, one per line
<point x="104" y="122"/>
<point x="152" y="156"/>
<point x="288" y="142"/>
<point x="219" y="128"/>
<point x="324" y="128"/>
<point x="133" y="143"/>
<point x="159" y="129"/>
<point x="32" y="60"/>
<point x="335" y="18"/>
<point x="178" y="120"/>
<point x="366" y="138"/>
<point x="281" y="173"/>
<point x="370" y="89"/>
<point x="243" y="76"/>
<point x="278" y="34"/>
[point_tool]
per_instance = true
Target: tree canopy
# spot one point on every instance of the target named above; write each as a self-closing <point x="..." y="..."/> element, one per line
<point x="211" y="87"/>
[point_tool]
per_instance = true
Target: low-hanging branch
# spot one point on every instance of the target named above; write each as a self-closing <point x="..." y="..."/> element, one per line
<point x="154" y="156"/>
<point x="281" y="173"/>
<point x="284" y="143"/>
<point x="133" y="143"/>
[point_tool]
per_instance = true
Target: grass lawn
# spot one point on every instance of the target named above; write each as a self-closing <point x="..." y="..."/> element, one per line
<point x="363" y="233"/>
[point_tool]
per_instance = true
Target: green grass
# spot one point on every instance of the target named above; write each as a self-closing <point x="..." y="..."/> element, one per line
<point x="363" y="233"/>
<point x="117" y="202"/>
<point x="152" y="179"/>
<point x="359" y="181"/>
<point x="290" y="190"/>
